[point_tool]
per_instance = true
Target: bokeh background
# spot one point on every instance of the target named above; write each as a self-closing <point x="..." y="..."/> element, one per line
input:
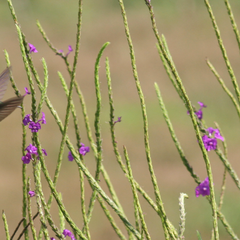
<point x="189" y="33"/>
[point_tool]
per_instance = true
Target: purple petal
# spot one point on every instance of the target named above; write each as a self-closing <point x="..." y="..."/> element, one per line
<point x="202" y="104"/>
<point x="31" y="193"/>
<point x="32" y="48"/>
<point x="26" y="91"/>
<point x="70" y="156"/>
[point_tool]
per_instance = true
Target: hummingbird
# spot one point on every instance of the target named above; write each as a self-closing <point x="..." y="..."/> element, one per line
<point x="8" y="106"/>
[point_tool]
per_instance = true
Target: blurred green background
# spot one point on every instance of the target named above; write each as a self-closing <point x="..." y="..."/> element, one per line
<point x="188" y="30"/>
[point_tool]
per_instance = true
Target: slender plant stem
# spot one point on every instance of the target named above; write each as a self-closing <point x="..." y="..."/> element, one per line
<point x="193" y="117"/>
<point x="224" y="52"/>
<point x="168" y="230"/>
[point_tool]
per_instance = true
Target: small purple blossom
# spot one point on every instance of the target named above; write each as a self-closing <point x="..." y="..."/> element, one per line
<point x="83" y="150"/>
<point x="32" y="48"/>
<point x="69" y="234"/>
<point x="44" y="152"/>
<point x="27" y="158"/>
<point x="202" y="105"/>
<point x="43" y="119"/>
<point x="209" y="143"/>
<point x="31" y="193"/>
<point x="60" y="52"/>
<point x="119" y="120"/>
<point x="27" y="120"/>
<point x="218" y="135"/>
<point x="31" y="151"/>
<point x="26" y="91"/>
<point x="199" y="113"/>
<point x="34" y="126"/>
<point x="52" y="238"/>
<point x="70" y="156"/>
<point x="69" y="50"/>
<point x="203" y="188"/>
<point x="210" y="130"/>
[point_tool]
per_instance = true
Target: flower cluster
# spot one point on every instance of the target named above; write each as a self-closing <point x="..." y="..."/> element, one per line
<point x="199" y="113"/>
<point x="210" y="140"/>
<point x="34" y="126"/>
<point x="31" y="152"/>
<point x="203" y="188"/>
<point x="82" y="150"/>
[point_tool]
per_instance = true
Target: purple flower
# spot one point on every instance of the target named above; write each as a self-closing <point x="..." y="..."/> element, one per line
<point x="209" y="143"/>
<point x="69" y="234"/>
<point x="27" y="158"/>
<point x="202" y="105"/>
<point x="218" y="135"/>
<point x="210" y="130"/>
<point x="203" y="188"/>
<point x="70" y="156"/>
<point x="83" y="150"/>
<point x="52" y="238"/>
<point x="26" y="120"/>
<point x="199" y="113"/>
<point x="60" y="52"/>
<point x="34" y="126"/>
<point x="31" y="149"/>
<point x="32" y="48"/>
<point x="119" y="120"/>
<point x="26" y="91"/>
<point x="69" y="50"/>
<point x="31" y="193"/>
<point x="44" y="152"/>
<point x="43" y="119"/>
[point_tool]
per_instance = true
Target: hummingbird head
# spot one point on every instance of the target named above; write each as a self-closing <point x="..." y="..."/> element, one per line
<point x="8" y="106"/>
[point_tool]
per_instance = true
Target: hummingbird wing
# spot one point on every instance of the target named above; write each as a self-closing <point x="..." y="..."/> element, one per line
<point x="8" y="106"/>
<point x="4" y="79"/>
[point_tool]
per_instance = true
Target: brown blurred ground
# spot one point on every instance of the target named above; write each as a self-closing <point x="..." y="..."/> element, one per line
<point x="187" y="28"/>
